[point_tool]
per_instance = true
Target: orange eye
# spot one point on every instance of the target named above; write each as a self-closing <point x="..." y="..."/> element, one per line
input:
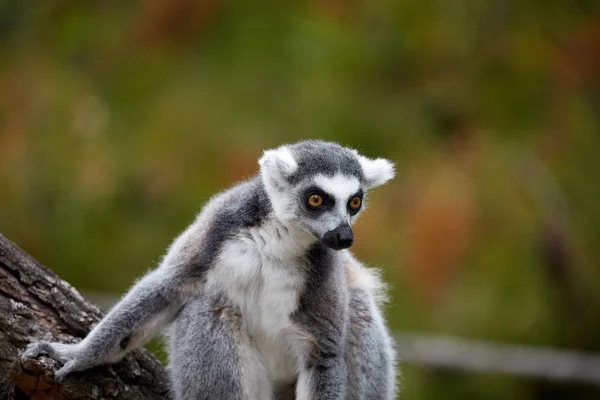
<point x="314" y="200"/>
<point x="355" y="203"/>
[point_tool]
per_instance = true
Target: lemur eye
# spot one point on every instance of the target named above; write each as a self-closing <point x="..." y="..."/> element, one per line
<point x="355" y="203"/>
<point x="314" y="200"/>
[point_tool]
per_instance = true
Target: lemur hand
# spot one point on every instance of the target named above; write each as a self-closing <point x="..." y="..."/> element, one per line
<point x="73" y="356"/>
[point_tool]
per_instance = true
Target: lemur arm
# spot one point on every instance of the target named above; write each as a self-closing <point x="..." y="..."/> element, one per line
<point x="324" y="378"/>
<point x="146" y="309"/>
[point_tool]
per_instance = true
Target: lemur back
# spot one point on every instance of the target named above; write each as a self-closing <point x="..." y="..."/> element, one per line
<point x="264" y="298"/>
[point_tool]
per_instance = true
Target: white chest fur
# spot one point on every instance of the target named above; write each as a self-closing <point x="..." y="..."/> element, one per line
<point x="262" y="271"/>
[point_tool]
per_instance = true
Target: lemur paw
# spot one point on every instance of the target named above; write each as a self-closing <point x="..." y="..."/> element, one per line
<point x="35" y="349"/>
<point x="61" y="352"/>
<point x="70" y="366"/>
<point x="57" y="351"/>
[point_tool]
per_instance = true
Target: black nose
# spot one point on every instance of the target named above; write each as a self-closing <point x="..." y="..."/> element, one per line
<point x="339" y="238"/>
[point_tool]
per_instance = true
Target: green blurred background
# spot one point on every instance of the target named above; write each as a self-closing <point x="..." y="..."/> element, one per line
<point x="119" y="119"/>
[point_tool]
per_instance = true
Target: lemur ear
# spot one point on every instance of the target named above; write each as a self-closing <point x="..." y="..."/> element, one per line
<point x="277" y="165"/>
<point x="377" y="171"/>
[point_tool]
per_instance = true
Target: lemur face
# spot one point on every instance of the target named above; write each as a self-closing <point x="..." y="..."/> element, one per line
<point x="321" y="187"/>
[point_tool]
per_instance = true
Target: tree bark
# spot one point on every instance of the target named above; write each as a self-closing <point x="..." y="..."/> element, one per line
<point x="35" y="304"/>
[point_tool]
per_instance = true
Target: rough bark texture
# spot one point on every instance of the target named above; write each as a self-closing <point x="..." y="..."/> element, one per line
<point x="36" y="304"/>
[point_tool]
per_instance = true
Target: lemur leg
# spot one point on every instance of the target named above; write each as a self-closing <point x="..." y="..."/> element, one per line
<point x="376" y="366"/>
<point x="212" y="357"/>
<point x="324" y="381"/>
<point x="369" y="353"/>
<point x="322" y="372"/>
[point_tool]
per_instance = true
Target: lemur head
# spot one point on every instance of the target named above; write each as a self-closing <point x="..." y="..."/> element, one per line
<point x="321" y="186"/>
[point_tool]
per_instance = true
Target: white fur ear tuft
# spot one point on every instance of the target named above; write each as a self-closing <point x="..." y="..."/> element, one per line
<point x="277" y="164"/>
<point x="377" y="172"/>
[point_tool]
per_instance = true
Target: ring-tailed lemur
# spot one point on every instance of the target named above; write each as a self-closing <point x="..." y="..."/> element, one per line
<point x="264" y="299"/>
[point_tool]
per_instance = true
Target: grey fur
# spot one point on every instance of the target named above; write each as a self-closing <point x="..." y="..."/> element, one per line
<point x="243" y="206"/>
<point x="258" y="306"/>
<point x="315" y="156"/>
<point x="323" y="313"/>
<point x="202" y="353"/>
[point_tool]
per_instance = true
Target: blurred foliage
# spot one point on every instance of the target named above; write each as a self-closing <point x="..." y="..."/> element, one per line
<point x="119" y="119"/>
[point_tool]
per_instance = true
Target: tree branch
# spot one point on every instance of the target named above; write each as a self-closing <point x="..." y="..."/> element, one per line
<point x="35" y="304"/>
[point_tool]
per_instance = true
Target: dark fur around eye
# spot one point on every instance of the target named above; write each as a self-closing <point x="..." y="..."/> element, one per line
<point x="360" y="195"/>
<point x="328" y="201"/>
